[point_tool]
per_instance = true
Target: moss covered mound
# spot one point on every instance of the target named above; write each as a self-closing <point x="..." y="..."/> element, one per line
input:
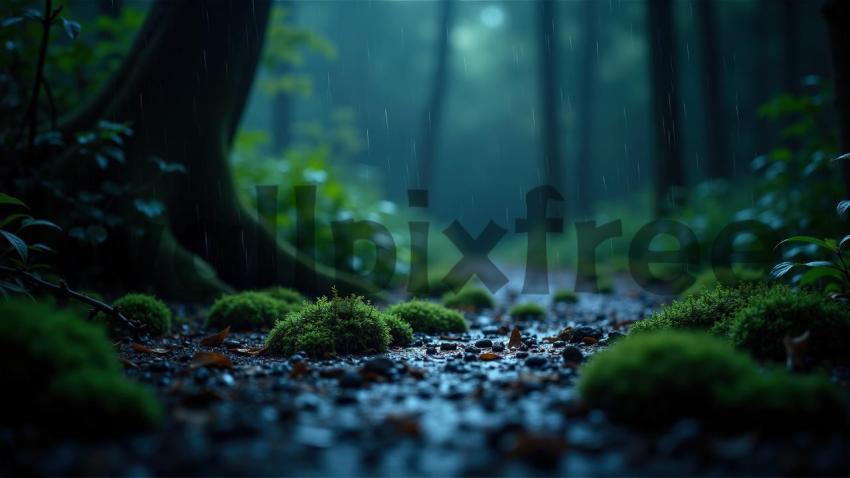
<point x="429" y="318"/>
<point x="700" y="311"/>
<point x="527" y="311"/>
<point x="288" y="296"/>
<point x="247" y="311"/>
<point x="401" y="333"/>
<point x="564" y="296"/>
<point x="336" y="325"/>
<point x="761" y="326"/>
<point x="470" y="298"/>
<point x="149" y="312"/>
<point x="61" y="373"/>
<point x="651" y="380"/>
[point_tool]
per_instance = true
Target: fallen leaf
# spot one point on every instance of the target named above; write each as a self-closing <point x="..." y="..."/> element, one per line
<point x="489" y="356"/>
<point x="210" y="359"/>
<point x="128" y="363"/>
<point x="253" y="352"/>
<point x="216" y="339"/>
<point x="566" y="334"/>
<point x="300" y="369"/>
<point x="516" y="339"/>
<point x="147" y="350"/>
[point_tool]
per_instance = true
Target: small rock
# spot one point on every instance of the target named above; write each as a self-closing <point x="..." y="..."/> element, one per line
<point x="573" y="354"/>
<point x="448" y="346"/>
<point x="498" y="347"/>
<point x="536" y="361"/>
<point x="470" y="358"/>
<point x="521" y="355"/>
<point x="431" y="351"/>
<point x="379" y="365"/>
<point x="585" y="331"/>
<point x="483" y="344"/>
<point x="350" y="379"/>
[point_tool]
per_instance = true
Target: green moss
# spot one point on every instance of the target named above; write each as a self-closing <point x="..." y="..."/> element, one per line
<point x="336" y="325"/>
<point x="150" y="313"/>
<point x="564" y="296"/>
<point x="470" y="298"/>
<point x="61" y="373"/>
<point x="288" y="296"/>
<point x="761" y="327"/>
<point x="401" y="333"/>
<point x="429" y="318"/>
<point x="651" y="380"/>
<point x="707" y="279"/>
<point x="527" y="311"/>
<point x="247" y="311"/>
<point x="700" y="311"/>
<point x="605" y="286"/>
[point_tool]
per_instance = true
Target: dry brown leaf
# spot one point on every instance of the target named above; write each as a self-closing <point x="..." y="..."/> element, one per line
<point x="147" y="350"/>
<point x="516" y="339"/>
<point x="299" y="370"/>
<point x="128" y="363"/>
<point x="489" y="356"/>
<point x="210" y="359"/>
<point x="253" y="352"/>
<point x="589" y="341"/>
<point x="216" y="339"/>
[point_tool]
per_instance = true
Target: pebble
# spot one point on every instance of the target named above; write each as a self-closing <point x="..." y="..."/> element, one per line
<point x="536" y="361"/>
<point x="573" y="354"/>
<point x="448" y="346"/>
<point x="379" y="365"/>
<point x="350" y="379"/>
<point x="483" y="344"/>
<point x="585" y="331"/>
<point x="498" y="347"/>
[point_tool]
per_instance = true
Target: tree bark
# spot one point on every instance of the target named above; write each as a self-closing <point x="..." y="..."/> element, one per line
<point x="717" y="150"/>
<point x="837" y="15"/>
<point x="547" y="47"/>
<point x="587" y="82"/>
<point x="665" y="98"/>
<point x="432" y="119"/>
<point x="183" y="87"/>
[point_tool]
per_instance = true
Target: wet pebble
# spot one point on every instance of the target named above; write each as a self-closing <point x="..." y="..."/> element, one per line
<point x="536" y="361"/>
<point x="573" y="354"/>
<point x="484" y="343"/>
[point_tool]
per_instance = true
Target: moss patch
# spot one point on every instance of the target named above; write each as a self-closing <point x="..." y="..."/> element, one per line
<point x="62" y="374"/>
<point x="470" y="298"/>
<point x="336" y="325"/>
<point x="401" y="333"/>
<point x="429" y="318"/>
<point x="527" y="311"/>
<point x="153" y="315"/>
<point x="762" y="325"/>
<point x="564" y="296"/>
<point x="288" y="296"/>
<point x="651" y="380"/>
<point x="247" y="311"/>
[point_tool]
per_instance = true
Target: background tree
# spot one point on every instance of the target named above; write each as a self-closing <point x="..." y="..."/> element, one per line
<point x="669" y="171"/>
<point x="587" y="72"/>
<point x="547" y="48"/>
<point x="719" y="164"/>
<point x="837" y="16"/>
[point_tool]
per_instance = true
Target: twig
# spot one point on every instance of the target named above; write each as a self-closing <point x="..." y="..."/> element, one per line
<point x="62" y="290"/>
<point x="32" y="109"/>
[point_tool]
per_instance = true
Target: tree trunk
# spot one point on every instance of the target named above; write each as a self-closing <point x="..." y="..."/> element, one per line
<point x="587" y="82"/>
<point x="665" y="98"/>
<point x="717" y="151"/>
<point x="183" y="87"/>
<point x="281" y="114"/>
<point x="837" y="16"/>
<point x="432" y="120"/>
<point x="547" y="52"/>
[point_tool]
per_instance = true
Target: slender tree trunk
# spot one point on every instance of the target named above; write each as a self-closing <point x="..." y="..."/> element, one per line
<point x="587" y="82"/>
<point x="281" y="126"/>
<point x="548" y="53"/>
<point x="183" y="87"/>
<point x="717" y="150"/>
<point x="432" y="119"/>
<point x="665" y="98"/>
<point x="837" y="16"/>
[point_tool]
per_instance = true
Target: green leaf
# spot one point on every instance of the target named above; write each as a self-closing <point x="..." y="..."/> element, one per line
<point x="842" y="157"/>
<point x="816" y="273"/>
<point x="12" y="218"/>
<point x="809" y="240"/>
<point x="779" y="270"/>
<point x="37" y="223"/>
<point x="9" y="21"/>
<point x="820" y="264"/>
<point x="845" y="241"/>
<point x="6" y="199"/>
<point x="842" y="208"/>
<point x="72" y="28"/>
<point x="17" y="243"/>
<point x="41" y="248"/>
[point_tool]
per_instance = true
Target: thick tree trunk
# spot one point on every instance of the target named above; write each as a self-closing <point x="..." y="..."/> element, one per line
<point x="587" y="82"/>
<point x="547" y="47"/>
<point x="665" y="97"/>
<point x="717" y="151"/>
<point x="183" y="87"/>
<point x="432" y="119"/>
<point x="837" y="15"/>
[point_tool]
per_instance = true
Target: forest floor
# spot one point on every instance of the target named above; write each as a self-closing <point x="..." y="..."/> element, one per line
<point x="453" y="405"/>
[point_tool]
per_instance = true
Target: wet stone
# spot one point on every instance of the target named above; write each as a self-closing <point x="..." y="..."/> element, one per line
<point x="586" y="331"/>
<point x="573" y="354"/>
<point x="483" y="344"/>
<point x="536" y="361"/>
<point x="448" y="346"/>
<point x="380" y="365"/>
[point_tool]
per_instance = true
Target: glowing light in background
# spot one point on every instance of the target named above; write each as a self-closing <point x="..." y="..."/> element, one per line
<point x="492" y="16"/>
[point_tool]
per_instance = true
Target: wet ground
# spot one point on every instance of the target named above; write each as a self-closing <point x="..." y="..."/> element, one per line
<point x="456" y="405"/>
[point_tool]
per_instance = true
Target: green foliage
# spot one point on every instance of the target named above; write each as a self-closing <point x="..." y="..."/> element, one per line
<point x="247" y="311"/>
<point x="150" y="313"/>
<point x="564" y="296"/>
<point x="329" y="326"/>
<point x="62" y="374"/>
<point x="401" y="333"/>
<point x="762" y="325"/>
<point x="652" y="380"/>
<point x="429" y="318"/>
<point x="699" y="311"/>
<point x="528" y="310"/>
<point x="17" y="251"/>
<point x="470" y="298"/>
